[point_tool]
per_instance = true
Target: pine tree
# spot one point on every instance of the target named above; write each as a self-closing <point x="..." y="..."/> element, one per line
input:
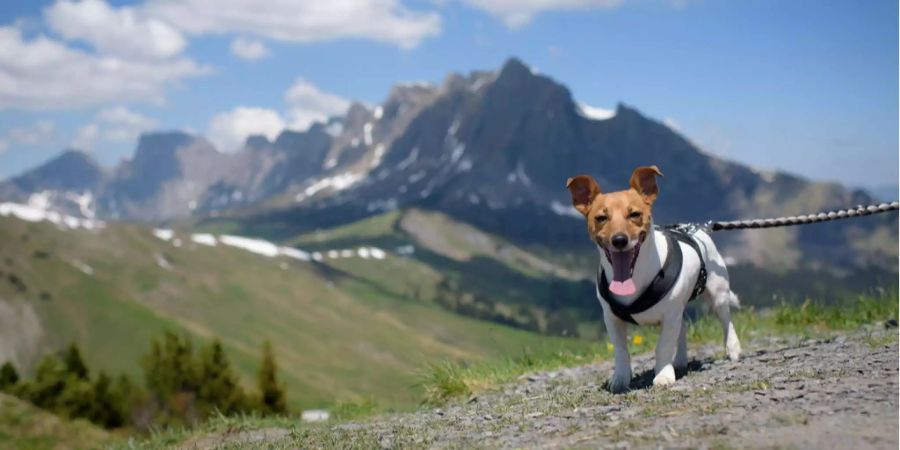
<point x="172" y="378"/>
<point x="9" y="376"/>
<point x="219" y="384"/>
<point x="109" y="407"/>
<point x="170" y="367"/>
<point x="49" y="383"/>
<point x="76" y="398"/>
<point x="75" y="363"/>
<point x="272" y="395"/>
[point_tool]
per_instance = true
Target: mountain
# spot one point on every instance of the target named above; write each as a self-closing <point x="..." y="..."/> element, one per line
<point x="68" y="181"/>
<point x="492" y="149"/>
<point x="884" y="192"/>
<point x="72" y="170"/>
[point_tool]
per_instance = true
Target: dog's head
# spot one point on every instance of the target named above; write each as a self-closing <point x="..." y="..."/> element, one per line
<point x="618" y="221"/>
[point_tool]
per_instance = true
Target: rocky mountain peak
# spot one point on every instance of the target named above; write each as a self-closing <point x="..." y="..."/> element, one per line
<point x="72" y="170"/>
<point x="257" y="141"/>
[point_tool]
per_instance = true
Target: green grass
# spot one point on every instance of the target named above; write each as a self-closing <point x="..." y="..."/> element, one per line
<point x="25" y="427"/>
<point x="343" y="332"/>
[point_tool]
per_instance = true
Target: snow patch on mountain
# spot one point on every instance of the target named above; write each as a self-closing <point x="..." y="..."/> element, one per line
<point x="595" y="113"/>
<point x="338" y="182"/>
<point x="84" y="268"/>
<point x="38" y="212"/>
<point x="521" y="175"/>
<point x="411" y="158"/>
<point x="565" y="210"/>
<point x="252" y="245"/>
<point x="204" y="239"/>
<point x="163" y="233"/>
<point x="367" y="133"/>
<point x="379" y="154"/>
<point x="294" y="253"/>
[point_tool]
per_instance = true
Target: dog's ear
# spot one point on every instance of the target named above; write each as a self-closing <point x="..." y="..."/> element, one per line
<point x="643" y="180"/>
<point x="583" y="189"/>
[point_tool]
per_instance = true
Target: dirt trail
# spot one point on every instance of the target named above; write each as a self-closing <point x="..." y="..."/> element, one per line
<point x="840" y="392"/>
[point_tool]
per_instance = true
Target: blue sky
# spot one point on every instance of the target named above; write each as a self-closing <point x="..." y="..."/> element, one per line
<point x="805" y="86"/>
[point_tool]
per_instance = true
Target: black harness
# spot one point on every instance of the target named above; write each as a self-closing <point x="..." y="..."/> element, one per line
<point x="664" y="280"/>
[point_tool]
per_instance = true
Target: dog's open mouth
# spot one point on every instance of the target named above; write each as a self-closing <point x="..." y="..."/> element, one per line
<point x="623" y="269"/>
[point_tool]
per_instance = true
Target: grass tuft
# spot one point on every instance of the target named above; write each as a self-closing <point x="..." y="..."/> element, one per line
<point x="444" y="380"/>
<point x="448" y="379"/>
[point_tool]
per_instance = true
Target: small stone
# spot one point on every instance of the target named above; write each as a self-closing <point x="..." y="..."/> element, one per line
<point x="890" y="323"/>
<point x="488" y="417"/>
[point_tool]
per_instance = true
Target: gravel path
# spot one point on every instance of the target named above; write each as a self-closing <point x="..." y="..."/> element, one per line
<point x="840" y="392"/>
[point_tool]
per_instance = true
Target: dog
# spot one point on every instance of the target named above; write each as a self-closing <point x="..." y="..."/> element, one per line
<point x="632" y="285"/>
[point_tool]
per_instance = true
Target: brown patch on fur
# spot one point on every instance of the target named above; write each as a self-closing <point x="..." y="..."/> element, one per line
<point x="627" y="211"/>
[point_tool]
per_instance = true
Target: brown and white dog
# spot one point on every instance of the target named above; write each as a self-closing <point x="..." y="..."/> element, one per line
<point x="632" y="252"/>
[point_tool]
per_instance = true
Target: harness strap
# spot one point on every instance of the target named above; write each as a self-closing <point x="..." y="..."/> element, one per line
<point x="662" y="283"/>
<point x="686" y="236"/>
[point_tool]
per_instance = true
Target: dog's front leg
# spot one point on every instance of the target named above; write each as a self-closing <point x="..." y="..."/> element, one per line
<point x="666" y="348"/>
<point x="618" y="336"/>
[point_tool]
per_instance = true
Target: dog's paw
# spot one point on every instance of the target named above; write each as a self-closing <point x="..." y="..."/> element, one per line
<point x="733" y="350"/>
<point x="665" y="377"/>
<point x="620" y="381"/>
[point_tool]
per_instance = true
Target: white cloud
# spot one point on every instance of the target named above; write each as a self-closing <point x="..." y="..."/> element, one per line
<point x="301" y="21"/>
<point x="40" y="132"/>
<point x="121" y="32"/>
<point x="308" y="104"/>
<point x="516" y="13"/>
<point x="121" y="115"/>
<point x="4" y="145"/>
<point x="120" y="124"/>
<point x="250" y="49"/>
<point x="86" y="137"/>
<point x="44" y="73"/>
<point x="115" y="124"/>
<point x="230" y="129"/>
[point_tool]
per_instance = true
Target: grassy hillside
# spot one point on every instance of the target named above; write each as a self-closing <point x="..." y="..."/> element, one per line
<point x="25" y="427"/>
<point x="511" y="284"/>
<point x="468" y="271"/>
<point x="338" y="335"/>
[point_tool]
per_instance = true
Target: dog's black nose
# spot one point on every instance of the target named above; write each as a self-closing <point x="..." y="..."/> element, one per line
<point x="619" y="241"/>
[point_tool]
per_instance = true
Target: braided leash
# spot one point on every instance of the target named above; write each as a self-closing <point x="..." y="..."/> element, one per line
<point x="799" y="220"/>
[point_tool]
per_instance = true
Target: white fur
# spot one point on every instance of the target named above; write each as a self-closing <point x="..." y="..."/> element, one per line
<point x="671" y="349"/>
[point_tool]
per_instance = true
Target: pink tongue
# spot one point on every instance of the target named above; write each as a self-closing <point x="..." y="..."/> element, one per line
<point x="622" y="287"/>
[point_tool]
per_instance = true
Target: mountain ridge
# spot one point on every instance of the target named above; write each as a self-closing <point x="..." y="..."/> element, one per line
<point x="488" y="148"/>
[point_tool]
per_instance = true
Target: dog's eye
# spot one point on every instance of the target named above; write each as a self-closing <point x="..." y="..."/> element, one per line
<point x="634" y="215"/>
<point x="601" y="218"/>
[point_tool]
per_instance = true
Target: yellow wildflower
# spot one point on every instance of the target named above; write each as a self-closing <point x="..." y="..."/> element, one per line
<point x="638" y="339"/>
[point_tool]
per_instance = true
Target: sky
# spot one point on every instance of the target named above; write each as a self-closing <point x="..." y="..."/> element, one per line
<point x="809" y="87"/>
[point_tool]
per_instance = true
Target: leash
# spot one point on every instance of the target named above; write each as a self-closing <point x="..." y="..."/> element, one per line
<point x="826" y="216"/>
